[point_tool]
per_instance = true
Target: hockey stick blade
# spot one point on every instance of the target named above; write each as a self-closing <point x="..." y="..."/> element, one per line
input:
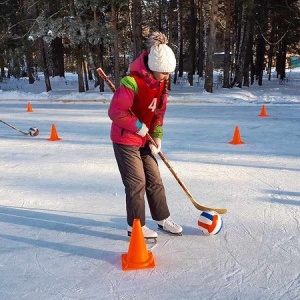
<point x="164" y="159"/>
<point x="220" y="211"/>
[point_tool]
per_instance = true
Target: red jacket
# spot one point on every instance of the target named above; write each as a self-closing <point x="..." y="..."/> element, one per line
<point x="144" y="95"/>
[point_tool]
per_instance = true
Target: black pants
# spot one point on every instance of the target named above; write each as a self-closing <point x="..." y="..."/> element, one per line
<point x="140" y="176"/>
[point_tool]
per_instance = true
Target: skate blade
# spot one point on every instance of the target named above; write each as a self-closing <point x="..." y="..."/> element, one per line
<point x="150" y="240"/>
<point x="160" y="227"/>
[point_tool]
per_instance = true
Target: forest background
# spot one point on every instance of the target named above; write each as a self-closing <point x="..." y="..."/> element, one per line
<point x="239" y="38"/>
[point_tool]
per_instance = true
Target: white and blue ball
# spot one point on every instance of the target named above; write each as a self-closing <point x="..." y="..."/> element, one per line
<point x="33" y="131"/>
<point x="210" y="222"/>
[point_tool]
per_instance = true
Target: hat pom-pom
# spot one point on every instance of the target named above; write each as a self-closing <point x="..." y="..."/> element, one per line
<point x="157" y="38"/>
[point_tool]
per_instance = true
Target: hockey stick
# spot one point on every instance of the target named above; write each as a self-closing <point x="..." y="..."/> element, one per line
<point x="163" y="157"/>
<point x="33" y="131"/>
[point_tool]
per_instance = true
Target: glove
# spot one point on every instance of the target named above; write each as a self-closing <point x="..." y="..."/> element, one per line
<point x="143" y="130"/>
<point x="155" y="150"/>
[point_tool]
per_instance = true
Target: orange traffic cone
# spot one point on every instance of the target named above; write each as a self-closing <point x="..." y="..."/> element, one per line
<point x="236" y="137"/>
<point x="138" y="257"/>
<point x="263" y="112"/>
<point x="29" y="107"/>
<point x="53" y="134"/>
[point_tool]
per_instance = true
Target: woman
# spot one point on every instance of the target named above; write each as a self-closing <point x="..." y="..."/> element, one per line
<point x="137" y="109"/>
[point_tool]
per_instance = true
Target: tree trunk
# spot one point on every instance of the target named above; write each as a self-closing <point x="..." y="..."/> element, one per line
<point x="2" y="70"/>
<point x="282" y="60"/>
<point x="249" y="55"/>
<point x="137" y="28"/>
<point x="116" y="62"/>
<point x="30" y="69"/>
<point x="201" y="40"/>
<point x="270" y="55"/>
<point x="192" y="39"/>
<point x="175" y="5"/>
<point x="85" y="72"/>
<point x="29" y="63"/>
<point x="45" y="67"/>
<point x="95" y="54"/>
<point x="44" y="57"/>
<point x="241" y="46"/>
<point x="57" y="54"/>
<point x="260" y="58"/>
<point x="79" y="69"/>
<point x="180" y="40"/>
<point x="209" y="69"/>
<point x="227" y="55"/>
<point x="172" y="33"/>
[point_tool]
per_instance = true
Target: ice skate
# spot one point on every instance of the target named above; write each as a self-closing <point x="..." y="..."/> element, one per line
<point x="149" y="235"/>
<point x="170" y="226"/>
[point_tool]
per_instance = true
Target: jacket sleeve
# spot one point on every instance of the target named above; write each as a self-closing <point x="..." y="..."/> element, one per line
<point x="121" y="102"/>
<point x="156" y="129"/>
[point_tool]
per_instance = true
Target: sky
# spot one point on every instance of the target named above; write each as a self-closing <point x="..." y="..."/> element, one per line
<point x="62" y="203"/>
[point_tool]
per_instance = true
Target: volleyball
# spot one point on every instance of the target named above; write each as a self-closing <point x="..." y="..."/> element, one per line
<point x="33" y="131"/>
<point x="210" y="222"/>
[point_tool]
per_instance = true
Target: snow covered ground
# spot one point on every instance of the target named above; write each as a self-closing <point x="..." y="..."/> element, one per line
<point x="62" y="206"/>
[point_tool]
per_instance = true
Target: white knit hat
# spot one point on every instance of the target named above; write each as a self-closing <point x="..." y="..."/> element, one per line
<point x="161" y="58"/>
